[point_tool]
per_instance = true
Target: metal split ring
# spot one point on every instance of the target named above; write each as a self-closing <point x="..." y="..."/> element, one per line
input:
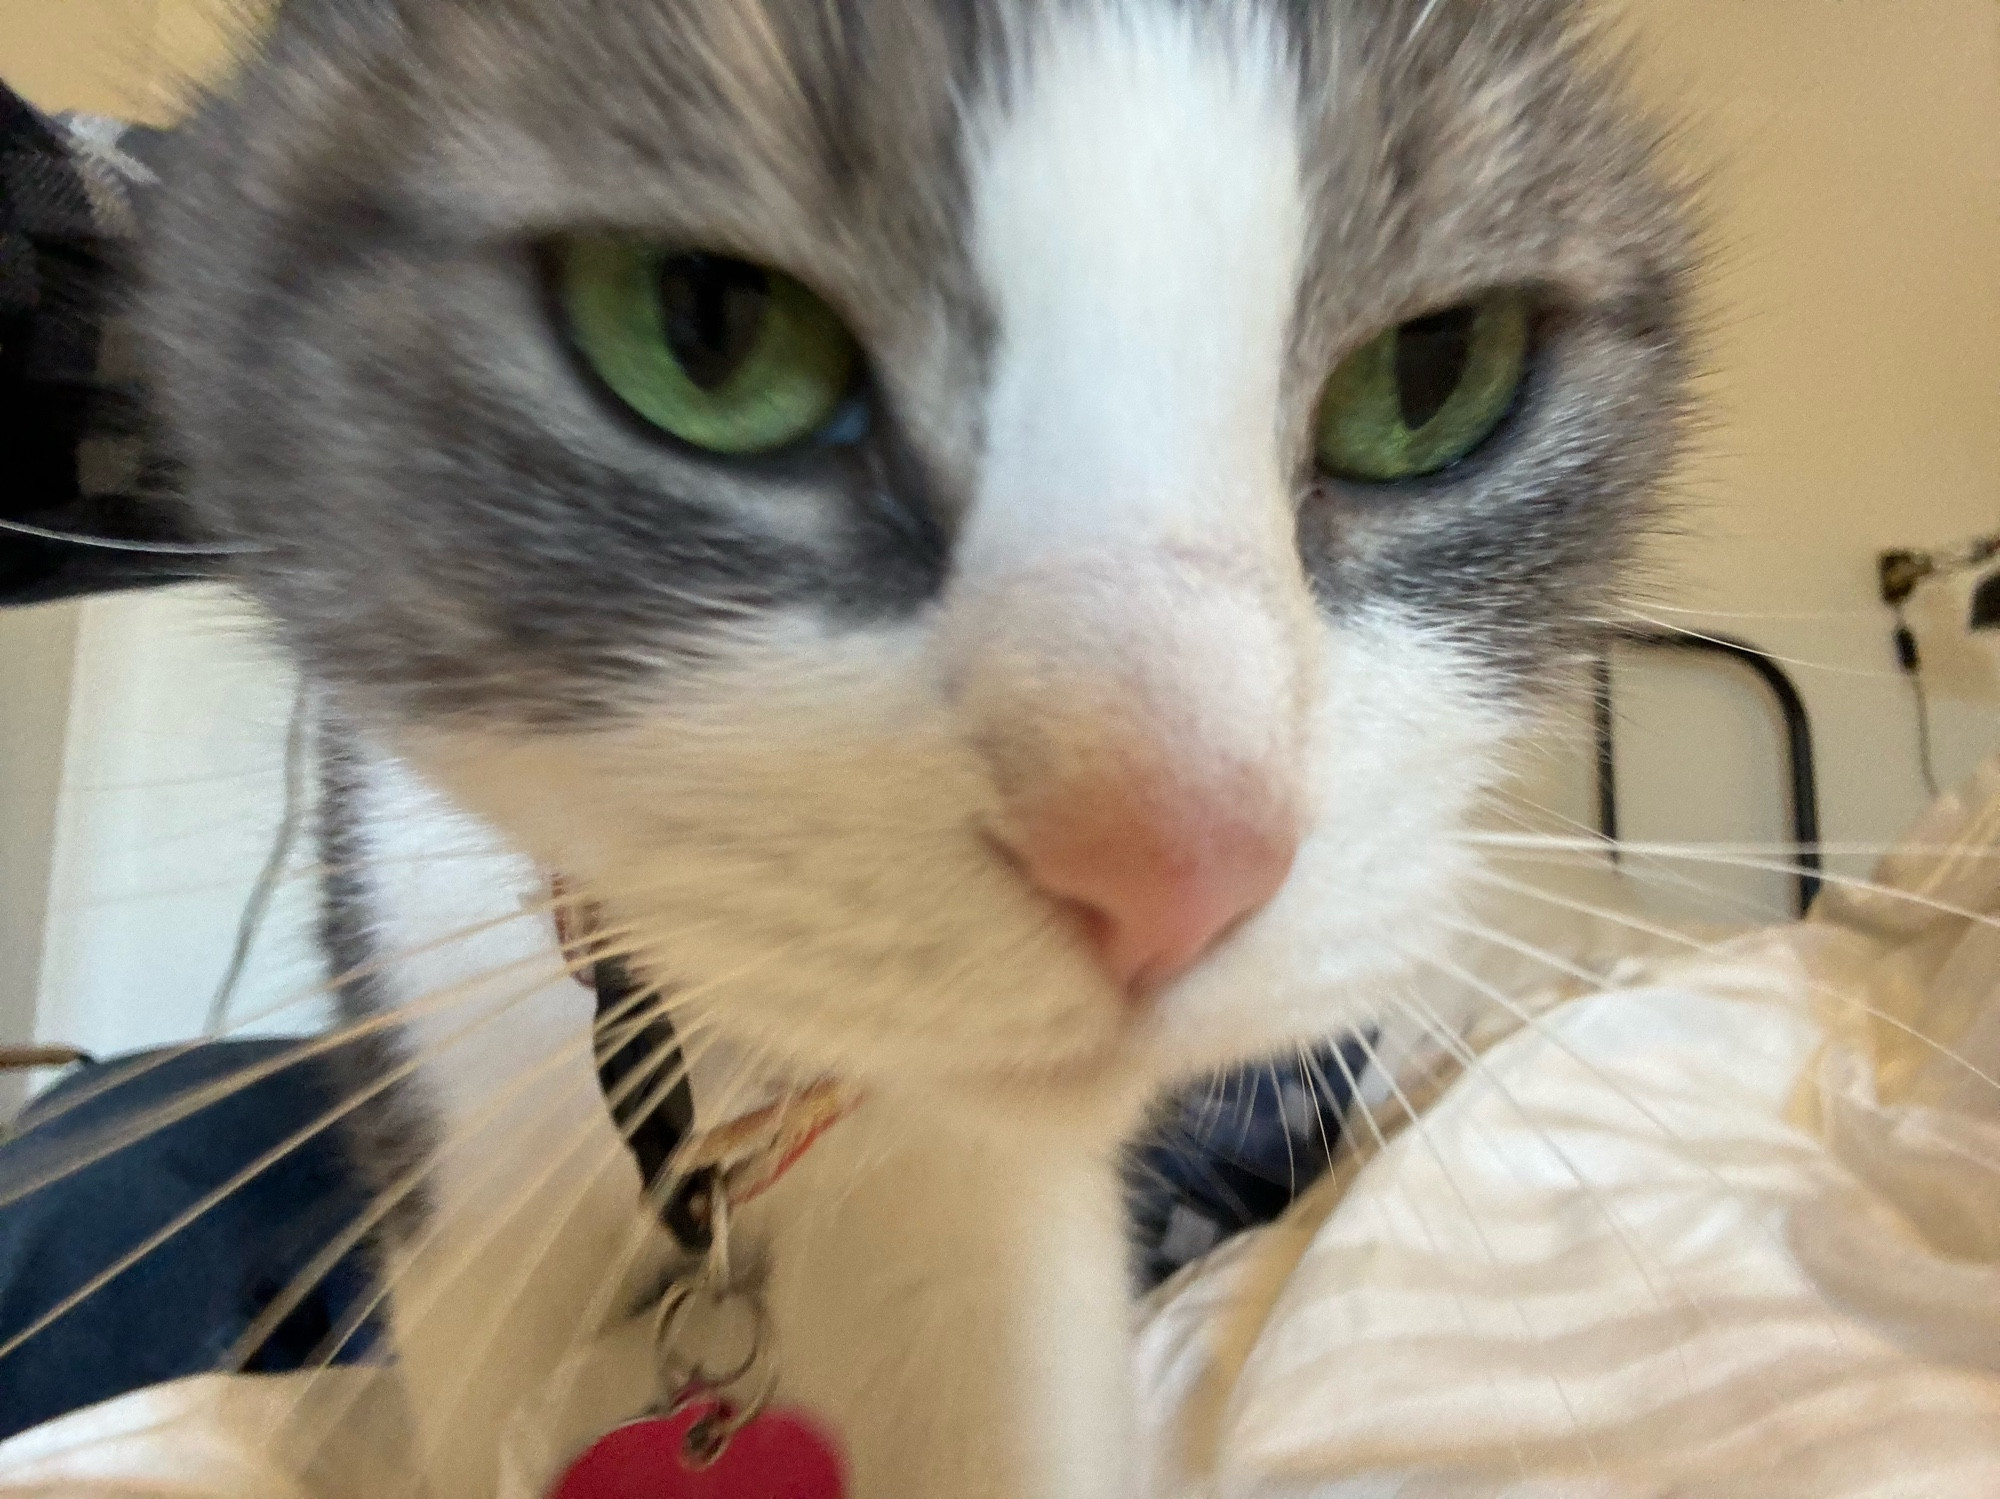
<point x="682" y="1305"/>
<point x="709" y="1301"/>
<point x="709" y="1437"/>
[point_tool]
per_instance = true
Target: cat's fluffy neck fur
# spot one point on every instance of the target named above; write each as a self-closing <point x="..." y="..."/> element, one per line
<point x="955" y="1302"/>
<point x="948" y="1286"/>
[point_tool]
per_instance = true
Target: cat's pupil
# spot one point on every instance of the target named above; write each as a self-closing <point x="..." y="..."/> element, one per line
<point x="1431" y="356"/>
<point x="712" y="310"/>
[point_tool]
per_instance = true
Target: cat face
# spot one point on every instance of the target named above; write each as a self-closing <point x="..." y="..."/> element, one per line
<point x="1001" y="540"/>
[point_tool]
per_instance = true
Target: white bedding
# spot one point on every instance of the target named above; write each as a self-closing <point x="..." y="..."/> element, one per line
<point x="1710" y="1228"/>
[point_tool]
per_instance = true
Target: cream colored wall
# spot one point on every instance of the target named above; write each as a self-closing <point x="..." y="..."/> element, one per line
<point x="1853" y="311"/>
<point x="37" y="646"/>
<point x="133" y="59"/>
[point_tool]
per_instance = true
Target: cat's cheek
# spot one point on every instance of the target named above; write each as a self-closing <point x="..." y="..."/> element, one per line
<point x="1405" y="739"/>
<point x="791" y="843"/>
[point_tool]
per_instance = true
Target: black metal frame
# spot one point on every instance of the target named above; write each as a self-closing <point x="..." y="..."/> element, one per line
<point x="1804" y="783"/>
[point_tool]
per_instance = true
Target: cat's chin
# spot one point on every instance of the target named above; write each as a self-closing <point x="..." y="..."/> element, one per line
<point x="1098" y="1091"/>
<point x="1109" y="1070"/>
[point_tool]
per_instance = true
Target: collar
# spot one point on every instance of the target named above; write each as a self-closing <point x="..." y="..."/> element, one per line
<point x="682" y="1165"/>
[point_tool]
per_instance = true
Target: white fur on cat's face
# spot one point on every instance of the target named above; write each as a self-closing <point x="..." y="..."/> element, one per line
<point x="797" y="832"/>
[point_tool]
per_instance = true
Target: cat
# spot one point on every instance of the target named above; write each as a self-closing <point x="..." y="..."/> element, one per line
<point x="1000" y="540"/>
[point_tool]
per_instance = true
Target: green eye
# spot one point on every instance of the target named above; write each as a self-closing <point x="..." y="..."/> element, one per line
<point x="1423" y="395"/>
<point x="727" y="356"/>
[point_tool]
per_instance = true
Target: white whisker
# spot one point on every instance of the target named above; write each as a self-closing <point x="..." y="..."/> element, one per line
<point x="411" y="1180"/>
<point x="411" y="1253"/>
<point x="1430" y="1238"/>
<point x="247" y="1174"/>
<point x="1843" y="997"/>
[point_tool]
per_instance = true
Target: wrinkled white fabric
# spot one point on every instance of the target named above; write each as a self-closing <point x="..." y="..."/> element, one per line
<point x="1727" y="1225"/>
<point x="337" y="1433"/>
<point x="1730" y="1226"/>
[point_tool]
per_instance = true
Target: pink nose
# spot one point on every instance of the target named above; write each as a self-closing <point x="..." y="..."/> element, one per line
<point x="1157" y="881"/>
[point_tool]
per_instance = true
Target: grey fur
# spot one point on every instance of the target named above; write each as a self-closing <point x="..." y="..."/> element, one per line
<point x="389" y="1137"/>
<point x="1498" y="150"/>
<point x="367" y="386"/>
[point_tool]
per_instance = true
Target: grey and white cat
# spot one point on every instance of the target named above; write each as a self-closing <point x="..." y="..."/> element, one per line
<point x="1000" y="539"/>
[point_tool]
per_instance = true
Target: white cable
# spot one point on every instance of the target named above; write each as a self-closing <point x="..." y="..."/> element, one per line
<point x="258" y="903"/>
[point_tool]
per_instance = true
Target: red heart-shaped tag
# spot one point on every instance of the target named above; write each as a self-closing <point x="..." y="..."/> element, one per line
<point x="779" y="1455"/>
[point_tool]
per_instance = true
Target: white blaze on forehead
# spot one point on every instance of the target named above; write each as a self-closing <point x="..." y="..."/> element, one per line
<point x="1138" y="222"/>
